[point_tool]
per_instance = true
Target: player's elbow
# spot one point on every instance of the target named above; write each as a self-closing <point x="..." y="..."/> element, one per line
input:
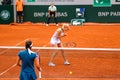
<point x="38" y="67"/>
<point x="18" y="64"/>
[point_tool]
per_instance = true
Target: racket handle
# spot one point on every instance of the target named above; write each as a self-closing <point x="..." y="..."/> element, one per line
<point x="40" y="74"/>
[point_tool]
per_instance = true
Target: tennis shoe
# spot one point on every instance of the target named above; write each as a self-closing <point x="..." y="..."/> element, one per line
<point x="51" y="64"/>
<point x="46" y="24"/>
<point x="66" y="63"/>
<point x="57" y="25"/>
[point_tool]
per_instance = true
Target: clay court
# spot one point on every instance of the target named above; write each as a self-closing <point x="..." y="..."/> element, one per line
<point x="85" y="65"/>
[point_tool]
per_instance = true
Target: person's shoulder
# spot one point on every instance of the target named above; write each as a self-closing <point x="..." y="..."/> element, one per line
<point x="59" y="29"/>
<point x="21" y="52"/>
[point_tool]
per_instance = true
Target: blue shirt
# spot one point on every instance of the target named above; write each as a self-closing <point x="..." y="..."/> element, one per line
<point x="27" y="60"/>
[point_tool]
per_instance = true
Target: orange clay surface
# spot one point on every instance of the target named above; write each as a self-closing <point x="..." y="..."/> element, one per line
<point x="85" y="65"/>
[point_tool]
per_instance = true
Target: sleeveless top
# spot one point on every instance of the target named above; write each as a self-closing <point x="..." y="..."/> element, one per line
<point x="54" y="39"/>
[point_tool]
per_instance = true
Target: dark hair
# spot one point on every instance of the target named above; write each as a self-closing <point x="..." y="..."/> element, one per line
<point x="28" y="44"/>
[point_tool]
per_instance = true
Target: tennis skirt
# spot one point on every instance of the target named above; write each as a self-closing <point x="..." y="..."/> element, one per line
<point x="55" y="41"/>
<point x="28" y="75"/>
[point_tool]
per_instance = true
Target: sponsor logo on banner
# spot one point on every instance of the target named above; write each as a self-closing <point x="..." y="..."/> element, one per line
<point x="77" y="22"/>
<point x="80" y="12"/>
<point x="102" y="3"/>
<point x="45" y="14"/>
<point x="5" y="15"/>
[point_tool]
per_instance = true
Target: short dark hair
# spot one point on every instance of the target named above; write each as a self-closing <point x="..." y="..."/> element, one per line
<point x="28" y="44"/>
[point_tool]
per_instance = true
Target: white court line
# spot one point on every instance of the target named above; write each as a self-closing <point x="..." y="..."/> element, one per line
<point x="7" y="69"/>
<point x="13" y="64"/>
<point x="2" y="52"/>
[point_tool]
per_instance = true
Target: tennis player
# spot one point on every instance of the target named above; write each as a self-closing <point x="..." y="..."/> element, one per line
<point x="26" y="60"/>
<point x="56" y="42"/>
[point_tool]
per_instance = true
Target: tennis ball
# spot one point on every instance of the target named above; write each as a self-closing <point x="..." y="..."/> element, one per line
<point x="70" y="72"/>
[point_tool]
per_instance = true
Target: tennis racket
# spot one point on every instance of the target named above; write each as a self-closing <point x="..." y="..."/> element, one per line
<point x="69" y="44"/>
<point x="39" y="72"/>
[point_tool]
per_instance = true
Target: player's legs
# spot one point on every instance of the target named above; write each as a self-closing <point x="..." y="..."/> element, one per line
<point x="63" y="55"/>
<point x="53" y="55"/>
